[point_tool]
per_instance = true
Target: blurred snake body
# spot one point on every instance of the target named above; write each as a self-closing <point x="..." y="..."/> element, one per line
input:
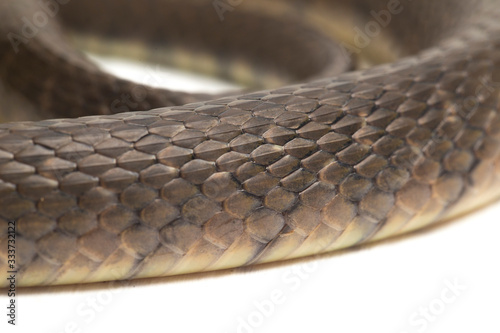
<point x="394" y="124"/>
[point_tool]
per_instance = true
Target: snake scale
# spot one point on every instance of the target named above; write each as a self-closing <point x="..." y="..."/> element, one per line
<point x="393" y="126"/>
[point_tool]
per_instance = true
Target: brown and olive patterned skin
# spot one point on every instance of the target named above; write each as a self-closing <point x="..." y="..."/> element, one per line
<point x="255" y="178"/>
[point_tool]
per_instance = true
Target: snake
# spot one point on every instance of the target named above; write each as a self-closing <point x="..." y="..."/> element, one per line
<point x="360" y="120"/>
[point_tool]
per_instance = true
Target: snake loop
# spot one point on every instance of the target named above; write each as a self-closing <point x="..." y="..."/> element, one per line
<point x="196" y="182"/>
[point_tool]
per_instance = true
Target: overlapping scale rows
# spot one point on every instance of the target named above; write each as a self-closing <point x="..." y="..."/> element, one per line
<point x="255" y="178"/>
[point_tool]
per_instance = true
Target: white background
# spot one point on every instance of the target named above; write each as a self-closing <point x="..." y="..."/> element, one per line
<point x="379" y="288"/>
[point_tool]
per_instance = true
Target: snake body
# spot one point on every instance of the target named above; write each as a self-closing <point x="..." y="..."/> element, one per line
<point x="338" y="160"/>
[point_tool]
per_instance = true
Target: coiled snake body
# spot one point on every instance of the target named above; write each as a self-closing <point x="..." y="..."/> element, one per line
<point x="281" y="173"/>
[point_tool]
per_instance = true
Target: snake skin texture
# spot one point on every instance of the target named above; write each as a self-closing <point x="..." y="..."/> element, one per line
<point x="260" y="177"/>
